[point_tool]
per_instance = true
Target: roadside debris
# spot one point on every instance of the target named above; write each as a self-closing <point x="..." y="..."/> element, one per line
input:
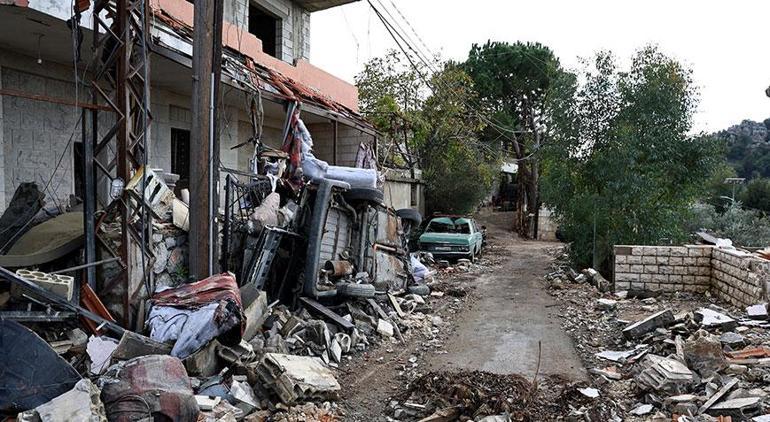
<point x="674" y="355"/>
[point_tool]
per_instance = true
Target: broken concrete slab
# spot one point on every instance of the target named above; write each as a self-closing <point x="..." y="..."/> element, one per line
<point x="297" y="377"/>
<point x="384" y="328"/>
<point x="710" y="318"/>
<point x="664" y="374"/>
<point x="642" y="327"/>
<point x="703" y="353"/>
<point x="740" y="409"/>
<point x="606" y="304"/>
<point x="732" y="339"/>
<point x="718" y="395"/>
<point x="758" y="311"/>
<point x="82" y="403"/>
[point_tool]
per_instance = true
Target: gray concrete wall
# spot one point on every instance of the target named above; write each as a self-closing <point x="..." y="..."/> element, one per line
<point x="35" y="135"/>
<point x="293" y="30"/>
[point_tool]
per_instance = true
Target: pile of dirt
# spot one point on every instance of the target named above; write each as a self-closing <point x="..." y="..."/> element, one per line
<point x="471" y="395"/>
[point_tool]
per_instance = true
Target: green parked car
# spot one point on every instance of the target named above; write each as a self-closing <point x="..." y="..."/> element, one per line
<point x="452" y="238"/>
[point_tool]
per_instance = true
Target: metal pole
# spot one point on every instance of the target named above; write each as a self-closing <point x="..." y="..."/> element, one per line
<point x="89" y="193"/>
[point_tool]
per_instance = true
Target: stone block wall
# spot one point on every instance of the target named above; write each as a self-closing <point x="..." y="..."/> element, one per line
<point x="663" y="268"/>
<point x="737" y="277"/>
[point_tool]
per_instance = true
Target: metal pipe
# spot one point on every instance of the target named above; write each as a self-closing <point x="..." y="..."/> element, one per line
<point x="87" y="265"/>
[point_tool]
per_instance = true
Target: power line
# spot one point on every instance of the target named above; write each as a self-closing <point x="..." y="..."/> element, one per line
<point x="502" y="130"/>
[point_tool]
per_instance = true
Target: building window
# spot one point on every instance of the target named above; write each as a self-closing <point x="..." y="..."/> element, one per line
<point x="180" y="157"/>
<point x="265" y="27"/>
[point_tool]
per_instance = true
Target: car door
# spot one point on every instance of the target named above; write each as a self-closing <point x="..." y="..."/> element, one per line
<point x="477" y="237"/>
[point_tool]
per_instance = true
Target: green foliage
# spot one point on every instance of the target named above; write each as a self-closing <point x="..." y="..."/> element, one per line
<point x="745" y="227"/>
<point x="756" y="195"/>
<point x="430" y="126"/>
<point x="751" y="159"/>
<point x="621" y="167"/>
<point x="514" y="82"/>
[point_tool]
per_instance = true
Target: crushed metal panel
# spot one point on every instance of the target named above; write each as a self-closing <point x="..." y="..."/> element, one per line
<point x="389" y="269"/>
<point x="336" y="237"/>
<point x="31" y="372"/>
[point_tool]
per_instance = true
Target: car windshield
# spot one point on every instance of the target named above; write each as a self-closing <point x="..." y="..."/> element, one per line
<point x="439" y="227"/>
<point x="445" y="227"/>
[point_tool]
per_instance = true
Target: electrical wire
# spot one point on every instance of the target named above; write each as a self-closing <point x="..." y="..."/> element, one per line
<point x="393" y="31"/>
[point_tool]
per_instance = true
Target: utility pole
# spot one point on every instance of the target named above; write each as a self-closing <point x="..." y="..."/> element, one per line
<point x="204" y="148"/>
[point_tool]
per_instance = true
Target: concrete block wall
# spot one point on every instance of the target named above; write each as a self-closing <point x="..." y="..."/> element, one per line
<point x="663" y="268"/>
<point x="737" y="277"/>
<point x="348" y="142"/>
<point x="546" y="225"/>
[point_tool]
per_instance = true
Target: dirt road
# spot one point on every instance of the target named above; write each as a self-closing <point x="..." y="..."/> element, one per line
<point x="496" y="328"/>
<point x="513" y="316"/>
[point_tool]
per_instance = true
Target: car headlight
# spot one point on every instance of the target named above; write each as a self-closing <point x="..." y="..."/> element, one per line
<point x="465" y="248"/>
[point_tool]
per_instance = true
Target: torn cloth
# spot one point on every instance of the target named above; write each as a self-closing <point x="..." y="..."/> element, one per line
<point x="194" y="314"/>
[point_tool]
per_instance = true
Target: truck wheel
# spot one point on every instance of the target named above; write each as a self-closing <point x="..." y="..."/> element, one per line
<point x="365" y="194"/>
<point x="355" y="290"/>
<point x="419" y="289"/>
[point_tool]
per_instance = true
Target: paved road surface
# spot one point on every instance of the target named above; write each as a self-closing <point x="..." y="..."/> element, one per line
<point x="501" y="332"/>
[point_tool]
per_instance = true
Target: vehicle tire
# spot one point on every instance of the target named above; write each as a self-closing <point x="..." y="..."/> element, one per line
<point x="411" y="215"/>
<point x="355" y="290"/>
<point x="365" y="194"/>
<point x="419" y="289"/>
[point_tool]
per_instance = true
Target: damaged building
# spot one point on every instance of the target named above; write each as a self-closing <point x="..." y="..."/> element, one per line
<point x="121" y="263"/>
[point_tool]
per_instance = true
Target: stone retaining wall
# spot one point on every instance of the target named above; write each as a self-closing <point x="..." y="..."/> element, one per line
<point x="666" y="268"/>
<point x="738" y="277"/>
<point x="734" y="276"/>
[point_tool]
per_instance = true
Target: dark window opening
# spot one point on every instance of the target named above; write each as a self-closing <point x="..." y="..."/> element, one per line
<point x="264" y="27"/>
<point x="79" y="170"/>
<point x="180" y="157"/>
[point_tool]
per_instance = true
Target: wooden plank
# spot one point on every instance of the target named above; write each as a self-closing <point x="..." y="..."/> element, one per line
<point x="396" y="306"/>
<point x="312" y="305"/>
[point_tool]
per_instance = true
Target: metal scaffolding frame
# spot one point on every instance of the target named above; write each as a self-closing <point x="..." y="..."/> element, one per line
<point x="121" y="80"/>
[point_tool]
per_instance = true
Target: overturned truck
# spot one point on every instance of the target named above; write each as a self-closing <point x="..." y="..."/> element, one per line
<point x="337" y="242"/>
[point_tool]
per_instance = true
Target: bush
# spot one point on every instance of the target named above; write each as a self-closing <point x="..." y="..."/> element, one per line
<point x="746" y="228"/>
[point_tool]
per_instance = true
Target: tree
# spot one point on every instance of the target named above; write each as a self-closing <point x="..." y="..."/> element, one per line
<point x="458" y="166"/>
<point x="621" y="167"/>
<point x="391" y="94"/>
<point x="514" y="82"/>
<point x="756" y="195"/>
<point x="428" y="124"/>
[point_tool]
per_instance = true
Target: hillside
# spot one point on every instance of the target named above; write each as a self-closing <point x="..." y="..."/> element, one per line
<point x="748" y="148"/>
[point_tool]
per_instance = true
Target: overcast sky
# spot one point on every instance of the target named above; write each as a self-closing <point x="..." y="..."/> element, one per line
<point x="725" y="43"/>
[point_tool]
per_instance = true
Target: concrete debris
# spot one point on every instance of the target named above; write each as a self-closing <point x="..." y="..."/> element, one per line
<point x="589" y="392"/>
<point x="295" y="378"/>
<point x="666" y="374"/>
<point x="100" y="351"/>
<point x="690" y="361"/>
<point x="758" y="311"/>
<point x="642" y="327"/>
<point x="703" y="353"/>
<point x="709" y="318"/>
<point x="82" y="403"/>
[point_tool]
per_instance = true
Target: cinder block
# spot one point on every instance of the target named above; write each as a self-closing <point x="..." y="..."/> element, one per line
<point x="662" y="260"/>
<point x="621" y="259"/>
<point x="689" y="261"/>
<point x="645" y="277"/>
<point x="675" y="279"/>
<point x="675" y="260"/>
<point x="649" y="259"/>
<point x="651" y="269"/>
<point x="634" y="259"/>
<point x="621" y="268"/>
<point x="637" y="268"/>
<point x="62" y="285"/>
<point x="666" y="269"/>
<point x="678" y="251"/>
<point x="637" y="250"/>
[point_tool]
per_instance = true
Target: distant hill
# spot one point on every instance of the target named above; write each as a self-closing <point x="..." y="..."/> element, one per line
<point x="748" y="148"/>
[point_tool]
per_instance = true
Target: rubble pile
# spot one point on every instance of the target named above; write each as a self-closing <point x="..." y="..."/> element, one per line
<point x="658" y="356"/>
<point x="483" y="396"/>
